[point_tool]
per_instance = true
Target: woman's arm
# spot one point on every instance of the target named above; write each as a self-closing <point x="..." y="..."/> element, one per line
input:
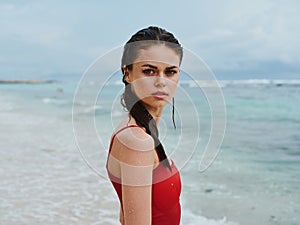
<point x="137" y="205"/>
<point x="136" y="164"/>
<point x="121" y="217"/>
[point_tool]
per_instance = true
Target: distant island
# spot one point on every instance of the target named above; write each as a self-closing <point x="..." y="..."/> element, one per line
<point x="27" y="81"/>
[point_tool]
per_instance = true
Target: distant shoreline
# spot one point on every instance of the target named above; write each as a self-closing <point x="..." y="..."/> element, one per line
<point x="27" y="81"/>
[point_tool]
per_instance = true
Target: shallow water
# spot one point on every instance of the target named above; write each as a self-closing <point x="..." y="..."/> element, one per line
<point x="45" y="179"/>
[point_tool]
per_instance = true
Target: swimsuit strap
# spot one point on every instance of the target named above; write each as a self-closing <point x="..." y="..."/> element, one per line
<point x="123" y="128"/>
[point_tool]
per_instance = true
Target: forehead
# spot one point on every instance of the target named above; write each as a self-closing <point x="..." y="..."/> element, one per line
<point x="158" y="54"/>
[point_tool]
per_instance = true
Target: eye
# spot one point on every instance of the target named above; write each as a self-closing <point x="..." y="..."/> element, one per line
<point x="171" y="72"/>
<point x="149" y="71"/>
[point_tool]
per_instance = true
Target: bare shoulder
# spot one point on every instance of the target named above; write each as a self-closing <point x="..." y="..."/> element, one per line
<point x="133" y="146"/>
<point x="135" y="138"/>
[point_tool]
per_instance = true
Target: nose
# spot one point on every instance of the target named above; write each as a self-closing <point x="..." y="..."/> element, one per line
<point x="160" y="81"/>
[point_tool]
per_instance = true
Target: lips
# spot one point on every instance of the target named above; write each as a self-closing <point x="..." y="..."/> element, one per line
<point x="160" y="95"/>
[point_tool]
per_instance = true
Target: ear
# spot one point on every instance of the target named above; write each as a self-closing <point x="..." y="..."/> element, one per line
<point x="126" y="74"/>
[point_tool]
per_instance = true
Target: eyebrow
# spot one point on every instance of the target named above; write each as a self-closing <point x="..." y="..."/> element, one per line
<point x="155" y="67"/>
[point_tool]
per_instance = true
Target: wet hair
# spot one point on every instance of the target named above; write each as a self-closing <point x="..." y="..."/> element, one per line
<point x="144" y="39"/>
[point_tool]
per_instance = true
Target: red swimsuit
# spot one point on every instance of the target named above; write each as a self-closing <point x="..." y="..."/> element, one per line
<point x="166" y="190"/>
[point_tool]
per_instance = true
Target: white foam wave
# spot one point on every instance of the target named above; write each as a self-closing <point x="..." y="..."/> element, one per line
<point x="119" y="83"/>
<point x="7" y="107"/>
<point x="276" y="82"/>
<point x="201" y="83"/>
<point x="189" y="218"/>
<point x="92" y="108"/>
<point x="117" y="113"/>
<point x="224" y="83"/>
<point x="54" y="101"/>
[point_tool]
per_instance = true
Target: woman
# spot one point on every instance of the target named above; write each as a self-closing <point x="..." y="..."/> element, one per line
<point x="146" y="180"/>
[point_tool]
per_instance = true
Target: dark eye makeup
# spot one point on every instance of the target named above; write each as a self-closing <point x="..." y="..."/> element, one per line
<point x="148" y="71"/>
<point x="168" y="72"/>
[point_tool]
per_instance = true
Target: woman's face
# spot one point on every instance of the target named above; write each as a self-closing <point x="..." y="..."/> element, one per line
<point x="154" y="75"/>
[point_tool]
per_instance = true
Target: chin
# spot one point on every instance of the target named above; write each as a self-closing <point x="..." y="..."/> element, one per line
<point x="159" y="104"/>
<point x="156" y="104"/>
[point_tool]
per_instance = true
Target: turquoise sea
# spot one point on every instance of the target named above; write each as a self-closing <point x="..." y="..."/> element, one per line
<point x="52" y="158"/>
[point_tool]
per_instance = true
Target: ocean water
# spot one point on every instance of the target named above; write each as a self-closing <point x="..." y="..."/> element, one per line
<point x="53" y="152"/>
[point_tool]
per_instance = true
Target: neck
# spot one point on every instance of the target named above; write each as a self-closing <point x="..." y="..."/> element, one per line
<point x="155" y="113"/>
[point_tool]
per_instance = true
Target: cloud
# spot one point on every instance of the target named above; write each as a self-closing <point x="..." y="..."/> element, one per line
<point x="263" y="32"/>
<point x="32" y="23"/>
<point x="40" y="37"/>
<point x="44" y="37"/>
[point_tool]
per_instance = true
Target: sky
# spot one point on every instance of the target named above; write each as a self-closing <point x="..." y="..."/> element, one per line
<point x="237" y="39"/>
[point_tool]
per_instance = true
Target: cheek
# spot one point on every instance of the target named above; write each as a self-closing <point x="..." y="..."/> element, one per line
<point x="172" y="85"/>
<point x="143" y="87"/>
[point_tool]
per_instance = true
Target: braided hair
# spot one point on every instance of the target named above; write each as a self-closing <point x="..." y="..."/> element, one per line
<point x="144" y="39"/>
